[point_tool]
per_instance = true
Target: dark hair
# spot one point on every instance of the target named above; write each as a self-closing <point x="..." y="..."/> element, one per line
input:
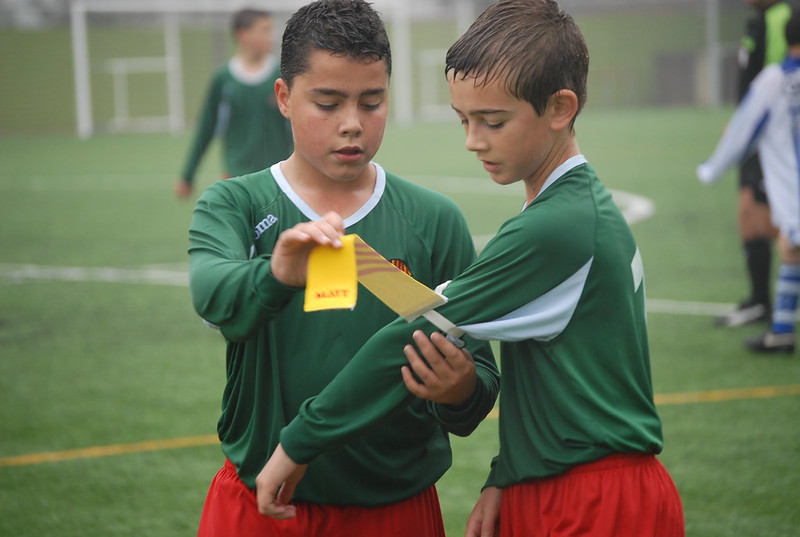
<point x="793" y="28"/>
<point x="344" y="27"/>
<point x="532" y="43"/>
<point x="245" y="18"/>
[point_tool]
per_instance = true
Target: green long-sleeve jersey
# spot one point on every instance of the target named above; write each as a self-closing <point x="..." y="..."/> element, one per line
<point x="561" y="285"/>
<point x="240" y="108"/>
<point x="278" y="356"/>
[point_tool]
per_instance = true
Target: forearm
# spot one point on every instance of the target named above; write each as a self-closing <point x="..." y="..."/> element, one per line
<point x="371" y="386"/>
<point x="236" y="296"/>
<point x="463" y="419"/>
<point x="202" y="138"/>
<point x="203" y="135"/>
<point x="741" y="135"/>
<point x="229" y="288"/>
<point x="365" y="392"/>
<point x="731" y="149"/>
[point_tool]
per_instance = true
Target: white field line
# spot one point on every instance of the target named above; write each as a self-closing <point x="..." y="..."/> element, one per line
<point x="81" y="182"/>
<point x="634" y="207"/>
<point x="153" y="276"/>
<point x="680" y="307"/>
<point x="18" y="274"/>
<point x="661" y="399"/>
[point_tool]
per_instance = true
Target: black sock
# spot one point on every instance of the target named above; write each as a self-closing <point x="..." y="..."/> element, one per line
<point x="758" y="256"/>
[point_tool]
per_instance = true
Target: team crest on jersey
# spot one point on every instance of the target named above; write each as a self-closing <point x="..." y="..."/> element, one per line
<point x="399" y="263"/>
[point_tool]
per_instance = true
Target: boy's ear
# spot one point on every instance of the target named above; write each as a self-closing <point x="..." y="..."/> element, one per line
<point x="282" y="97"/>
<point x="564" y="107"/>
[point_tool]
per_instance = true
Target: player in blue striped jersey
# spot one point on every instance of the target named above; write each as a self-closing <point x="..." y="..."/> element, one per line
<point x="763" y="44"/>
<point x="768" y="119"/>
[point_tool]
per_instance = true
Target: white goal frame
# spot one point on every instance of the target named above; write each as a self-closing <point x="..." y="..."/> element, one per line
<point x="169" y="64"/>
<point x="414" y="71"/>
<point x="398" y="15"/>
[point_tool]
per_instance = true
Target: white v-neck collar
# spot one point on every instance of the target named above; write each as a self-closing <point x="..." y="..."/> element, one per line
<point x="567" y="165"/>
<point x="311" y="214"/>
<point x="251" y="78"/>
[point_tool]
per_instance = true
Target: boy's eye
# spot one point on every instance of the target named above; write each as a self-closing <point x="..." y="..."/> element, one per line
<point x="495" y="125"/>
<point x="371" y="106"/>
<point x="326" y="107"/>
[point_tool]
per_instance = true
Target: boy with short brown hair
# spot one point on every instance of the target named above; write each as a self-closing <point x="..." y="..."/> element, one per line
<point x="560" y="285"/>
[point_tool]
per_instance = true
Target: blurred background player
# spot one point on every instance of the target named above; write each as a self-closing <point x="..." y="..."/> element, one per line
<point x="769" y="116"/>
<point x="763" y="44"/>
<point x="240" y="106"/>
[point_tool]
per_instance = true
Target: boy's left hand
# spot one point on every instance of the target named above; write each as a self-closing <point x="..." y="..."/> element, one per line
<point x="449" y="376"/>
<point x="276" y="483"/>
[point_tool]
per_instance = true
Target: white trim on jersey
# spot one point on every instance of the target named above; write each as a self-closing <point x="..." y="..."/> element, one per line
<point x="542" y="319"/>
<point x="311" y="214"/>
<point x="251" y="78"/>
<point x="547" y="316"/>
<point x="563" y="168"/>
<point x="637" y="270"/>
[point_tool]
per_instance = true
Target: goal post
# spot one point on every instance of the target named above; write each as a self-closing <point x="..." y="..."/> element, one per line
<point x="170" y="63"/>
<point x="402" y="17"/>
<point x="629" y="68"/>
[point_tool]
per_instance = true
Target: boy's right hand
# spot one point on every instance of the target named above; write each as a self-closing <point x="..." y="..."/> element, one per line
<point x="447" y="375"/>
<point x="183" y="189"/>
<point x="289" y="262"/>
<point x="484" y="521"/>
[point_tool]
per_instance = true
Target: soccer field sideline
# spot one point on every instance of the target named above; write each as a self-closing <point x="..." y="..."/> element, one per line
<point x="707" y="396"/>
<point x="164" y="275"/>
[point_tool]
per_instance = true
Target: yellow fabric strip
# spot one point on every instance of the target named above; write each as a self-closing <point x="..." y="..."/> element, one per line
<point x="332" y="274"/>
<point x="332" y="277"/>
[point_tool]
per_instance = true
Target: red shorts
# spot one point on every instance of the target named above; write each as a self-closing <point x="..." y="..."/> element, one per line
<point x="231" y="511"/>
<point x="617" y="496"/>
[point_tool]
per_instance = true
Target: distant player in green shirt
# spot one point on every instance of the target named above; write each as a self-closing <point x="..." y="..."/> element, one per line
<point x="245" y="237"/>
<point x="240" y="106"/>
<point x="561" y="285"/>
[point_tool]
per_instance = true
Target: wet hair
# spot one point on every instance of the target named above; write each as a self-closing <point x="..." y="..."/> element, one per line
<point x="245" y="18"/>
<point x="343" y="27"/>
<point x="793" y="28"/>
<point x="532" y="44"/>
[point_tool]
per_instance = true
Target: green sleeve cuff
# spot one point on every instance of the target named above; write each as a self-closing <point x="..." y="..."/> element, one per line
<point x="296" y="442"/>
<point x="490" y="481"/>
<point x="262" y="297"/>
<point x="270" y="292"/>
<point x="462" y="419"/>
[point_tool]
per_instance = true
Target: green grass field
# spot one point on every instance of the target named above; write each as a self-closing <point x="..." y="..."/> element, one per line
<point x="89" y="360"/>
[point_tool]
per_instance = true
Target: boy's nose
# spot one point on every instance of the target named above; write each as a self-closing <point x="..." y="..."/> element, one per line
<point x="474" y="142"/>
<point x="351" y="123"/>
